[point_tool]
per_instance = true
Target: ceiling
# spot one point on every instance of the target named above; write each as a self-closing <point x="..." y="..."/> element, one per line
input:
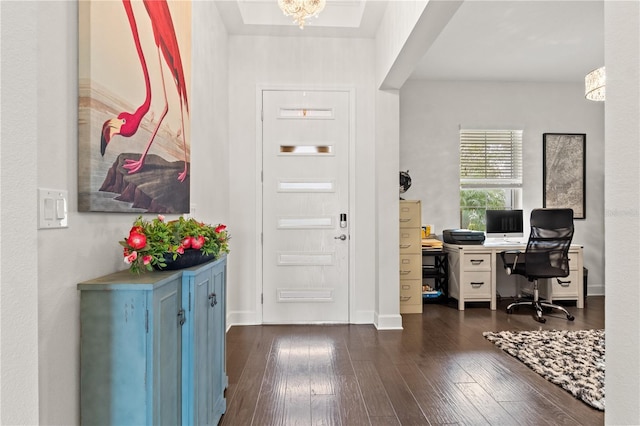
<point x="532" y="41"/>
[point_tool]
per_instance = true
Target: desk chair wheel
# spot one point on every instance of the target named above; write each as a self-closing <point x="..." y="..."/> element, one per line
<point x="570" y="317"/>
<point x="538" y="316"/>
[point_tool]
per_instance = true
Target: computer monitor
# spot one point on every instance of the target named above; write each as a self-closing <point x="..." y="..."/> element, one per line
<point x="504" y="224"/>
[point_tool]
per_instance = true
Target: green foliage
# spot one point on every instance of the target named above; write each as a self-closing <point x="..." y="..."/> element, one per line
<point x="475" y="202"/>
<point x="150" y="240"/>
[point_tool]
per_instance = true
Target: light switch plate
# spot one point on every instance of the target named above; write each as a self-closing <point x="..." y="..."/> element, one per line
<point x="53" y="208"/>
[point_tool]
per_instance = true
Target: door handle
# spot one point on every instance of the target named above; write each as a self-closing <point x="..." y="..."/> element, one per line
<point x="340" y="237"/>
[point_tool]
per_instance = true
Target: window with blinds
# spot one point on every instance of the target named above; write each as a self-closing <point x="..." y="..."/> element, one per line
<point x="491" y="158"/>
<point x="490" y="174"/>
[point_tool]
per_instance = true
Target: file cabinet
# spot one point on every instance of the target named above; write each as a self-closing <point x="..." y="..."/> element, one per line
<point x="410" y="262"/>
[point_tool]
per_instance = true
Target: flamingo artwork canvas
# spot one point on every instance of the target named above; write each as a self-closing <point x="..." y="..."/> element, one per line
<point x="134" y="106"/>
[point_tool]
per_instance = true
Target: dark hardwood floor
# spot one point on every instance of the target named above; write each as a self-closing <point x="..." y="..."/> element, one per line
<point x="438" y="370"/>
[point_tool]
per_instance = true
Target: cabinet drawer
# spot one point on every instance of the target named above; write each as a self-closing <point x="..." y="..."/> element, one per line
<point x="410" y="214"/>
<point x="410" y="241"/>
<point x="567" y="287"/>
<point x="573" y="260"/>
<point x="410" y="266"/>
<point x="477" y="285"/>
<point x="476" y="262"/>
<point x="410" y="292"/>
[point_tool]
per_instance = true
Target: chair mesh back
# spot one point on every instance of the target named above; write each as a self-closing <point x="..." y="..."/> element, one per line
<point x="548" y="246"/>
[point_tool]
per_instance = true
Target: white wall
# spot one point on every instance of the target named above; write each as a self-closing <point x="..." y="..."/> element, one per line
<point x="622" y="213"/>
<point x="40" y="284"/>
<point x="268" y="62"/>
<point x="18" y="242"/>
<point x="431" y="113"/>
<point x="406" y="31"/>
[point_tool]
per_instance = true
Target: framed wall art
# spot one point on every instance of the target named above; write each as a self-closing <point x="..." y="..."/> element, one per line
<point x="564" y="171"/>
<point x="134" y="106"/>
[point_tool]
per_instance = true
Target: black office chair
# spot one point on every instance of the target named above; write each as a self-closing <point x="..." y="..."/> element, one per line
<point x="546" y="255"/>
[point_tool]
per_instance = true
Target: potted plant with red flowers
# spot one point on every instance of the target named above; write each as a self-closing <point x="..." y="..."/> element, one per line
<point x="159" y="244"/>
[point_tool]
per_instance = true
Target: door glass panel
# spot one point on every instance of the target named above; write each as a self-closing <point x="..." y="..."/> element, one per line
<point x="305" y="113"/>
<point x="306" y="186"/>
<point x="306" y="149"/>
<point x="310" y="295"/>
<point x="305" y="222"/>
<point x="309" y="259"/>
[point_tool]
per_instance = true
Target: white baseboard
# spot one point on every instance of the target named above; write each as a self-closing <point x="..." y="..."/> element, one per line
<point x="242" y="318"/>
<point x="595" y="290"/>
<point x="250" y="318"/>
<point x="388" y="322"/>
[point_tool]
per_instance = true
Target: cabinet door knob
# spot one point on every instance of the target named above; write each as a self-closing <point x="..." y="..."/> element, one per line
<point x="214" y="299"/>
<point x="181" y="317"/>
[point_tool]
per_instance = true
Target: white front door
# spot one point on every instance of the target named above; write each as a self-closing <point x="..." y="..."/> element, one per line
<point x="305" y="251"/>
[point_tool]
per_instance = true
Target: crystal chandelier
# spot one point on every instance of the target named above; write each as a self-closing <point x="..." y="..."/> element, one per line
<point x="594" y="85"/>
<point x="301" y="9"/>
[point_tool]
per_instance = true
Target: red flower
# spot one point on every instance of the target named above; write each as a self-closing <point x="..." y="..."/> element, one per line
<point x="146" y="259"/>
<point x="180" y="250"/>
<point x="137" y="240"/>
<point x="139" y="229"/>
<point x="131" y="258"/>
<point x="220" y="228"/>
<point x="197" y="242"/>
<point x="187" y="242"/>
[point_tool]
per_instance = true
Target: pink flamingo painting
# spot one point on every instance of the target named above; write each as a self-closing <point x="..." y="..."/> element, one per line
<point x="126" y="124"/>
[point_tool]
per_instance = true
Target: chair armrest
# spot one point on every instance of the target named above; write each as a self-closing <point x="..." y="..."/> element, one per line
<point x="510" y="259"/>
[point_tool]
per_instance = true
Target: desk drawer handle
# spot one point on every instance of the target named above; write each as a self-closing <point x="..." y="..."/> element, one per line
<point x="405" y="220"/>
<point x="405" y="272"/>
<point x="476" y="261"/>
<point x="404" y="298"/>
<point x="406" y="287"/>
<point x="405" y="245"/>
<point x="564" y="283"/>
<point x="476" y="284"/>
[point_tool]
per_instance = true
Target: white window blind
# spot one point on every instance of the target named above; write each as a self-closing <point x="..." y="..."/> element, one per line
<point x="491" y="158"/>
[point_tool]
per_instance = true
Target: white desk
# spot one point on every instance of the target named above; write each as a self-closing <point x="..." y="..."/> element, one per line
<point x="473" y="269"/>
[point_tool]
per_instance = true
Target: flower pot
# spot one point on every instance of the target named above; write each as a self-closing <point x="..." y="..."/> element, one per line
<point x="189" y="258"/>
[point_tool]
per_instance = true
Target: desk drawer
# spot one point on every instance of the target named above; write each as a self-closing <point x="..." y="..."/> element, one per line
<point x="477" y="284"/>
<point x="573" y="260"/>
<point x="410" y="266"/>
<point x="410" y="241"/>
<point x="476" y="262"/>
<point x="567" y="288"/>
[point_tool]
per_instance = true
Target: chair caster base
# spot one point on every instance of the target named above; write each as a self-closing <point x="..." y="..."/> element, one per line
<point x="540" y="307"/>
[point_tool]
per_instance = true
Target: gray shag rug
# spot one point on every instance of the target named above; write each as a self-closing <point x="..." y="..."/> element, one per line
<point x="573" y="360"/>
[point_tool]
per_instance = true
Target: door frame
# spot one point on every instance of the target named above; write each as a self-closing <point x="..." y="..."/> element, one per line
<point x="258" y="186"/>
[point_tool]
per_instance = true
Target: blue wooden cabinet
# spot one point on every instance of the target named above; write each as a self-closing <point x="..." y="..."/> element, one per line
<point x="152" y="347"/>
<point x="204" y="345"/>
